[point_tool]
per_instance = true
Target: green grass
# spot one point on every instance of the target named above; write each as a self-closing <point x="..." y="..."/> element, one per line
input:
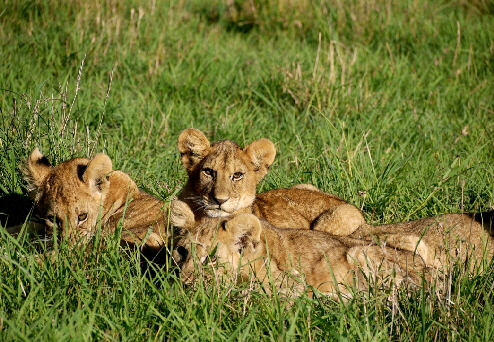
<point x="386" y="103"/>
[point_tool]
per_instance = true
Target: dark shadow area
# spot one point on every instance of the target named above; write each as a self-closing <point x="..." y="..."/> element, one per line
<point x="153" y="262"/>
<point x="158" y="268"/>
<point x="14" y="209"/>
<point x="486" y="220"/>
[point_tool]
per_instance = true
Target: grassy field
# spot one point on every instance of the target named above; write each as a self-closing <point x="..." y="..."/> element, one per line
<point x="388" y="104"/>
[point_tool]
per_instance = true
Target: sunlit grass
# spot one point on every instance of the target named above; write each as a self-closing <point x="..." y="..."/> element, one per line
<point x="386" y="104"/>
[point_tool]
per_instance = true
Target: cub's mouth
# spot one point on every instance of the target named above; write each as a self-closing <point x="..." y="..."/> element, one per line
<point x="223" y="209"/>
<point x="214" y="209"/>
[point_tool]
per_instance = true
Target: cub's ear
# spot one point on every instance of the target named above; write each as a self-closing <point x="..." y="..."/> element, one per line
<point x="246" y="232"/>
<point x="181" y="215"/>
<point x="261" y="153"/>
<point x="96" y="175"/>
<point x="35" y="170"/>
<point x="193" y="146"/>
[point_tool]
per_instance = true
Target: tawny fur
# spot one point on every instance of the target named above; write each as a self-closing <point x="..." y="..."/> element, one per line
<point x="447" y="239"/>
<point x="245" y="246"/>
<point x="223" y="178"/>
<point x="304" y="206"/>
<point x="451" y="238"/>
<point x="86" y="195"/>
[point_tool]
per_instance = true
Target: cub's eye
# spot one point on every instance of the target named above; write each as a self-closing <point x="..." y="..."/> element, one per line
<point x="208" y="171"/>
<point x="237" y="176"/>
<point x="180" y="254"/>
<point x="82" y="217"/>
<point x="52" y="220"/>
<point x="209" y="260"/>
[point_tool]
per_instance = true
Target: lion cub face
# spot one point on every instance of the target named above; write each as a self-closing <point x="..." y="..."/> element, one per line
<point x="222" y="176"/>
<point x="69" y="196"/>
<point x="226" y="245"/>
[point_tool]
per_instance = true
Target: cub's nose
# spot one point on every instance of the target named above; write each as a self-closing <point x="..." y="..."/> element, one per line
<point x="220" y="201"/>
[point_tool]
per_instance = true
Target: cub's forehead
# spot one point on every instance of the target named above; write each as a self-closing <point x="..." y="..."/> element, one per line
<point x="65" y="180"/>
<point x="205" y="232"/>
<point x="227" y="155"/>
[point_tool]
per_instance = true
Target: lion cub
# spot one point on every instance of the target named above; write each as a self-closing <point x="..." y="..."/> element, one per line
<point x="81" y="195"/>
<point x="451" y="238"/>
<point x="243" y="246"/>
<point x="223" y="178"/>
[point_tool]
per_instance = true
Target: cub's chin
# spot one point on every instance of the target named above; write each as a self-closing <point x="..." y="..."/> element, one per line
<point x="217" y="213"/>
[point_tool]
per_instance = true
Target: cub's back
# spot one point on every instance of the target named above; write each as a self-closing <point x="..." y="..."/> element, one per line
<point x="286" y="208"/>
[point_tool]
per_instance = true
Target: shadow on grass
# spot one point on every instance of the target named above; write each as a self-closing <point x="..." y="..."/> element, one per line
<point x="14" y="209"/>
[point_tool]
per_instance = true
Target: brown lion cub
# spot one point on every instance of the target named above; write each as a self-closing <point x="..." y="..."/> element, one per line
<point x="451" y="238"/>
<point x="244" y="245"/>
<point x="81" y="195"/>
<point x="223" y="178"/>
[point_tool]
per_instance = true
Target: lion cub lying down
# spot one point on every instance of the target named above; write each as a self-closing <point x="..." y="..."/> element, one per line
<point x="81" y="195"/>
<point x="451" y="238"/>
<point x="244" y="246"/>
<point x="223" y="178"/>
<point x="222" y="182"/>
